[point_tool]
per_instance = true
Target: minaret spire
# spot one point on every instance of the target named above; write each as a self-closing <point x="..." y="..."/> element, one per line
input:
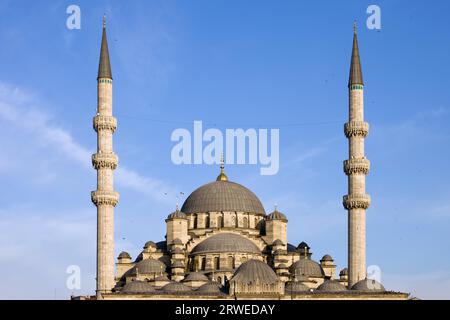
<point x="104" y="67"/>
<point x="355" y="64"/>
<point x="105" y="162"/>
<point x="356" y="168"/>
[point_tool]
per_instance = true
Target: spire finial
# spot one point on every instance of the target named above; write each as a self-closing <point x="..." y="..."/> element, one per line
<point x="222" y="176"/>
<point x="354" y="27"/>
<point x="104" y="68"/>
<point x="104" y="21"/>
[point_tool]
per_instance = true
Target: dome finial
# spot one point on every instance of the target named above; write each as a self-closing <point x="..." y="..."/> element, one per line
<point x="222" y="176"/>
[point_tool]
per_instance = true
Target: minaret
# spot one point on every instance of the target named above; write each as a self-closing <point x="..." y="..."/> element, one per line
<point x="105" y="162"/>
<point x="356" y="168"/>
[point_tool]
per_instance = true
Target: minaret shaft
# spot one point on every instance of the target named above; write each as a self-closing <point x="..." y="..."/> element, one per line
<point x="356" y="168"/>
<point x="105" y="162"/>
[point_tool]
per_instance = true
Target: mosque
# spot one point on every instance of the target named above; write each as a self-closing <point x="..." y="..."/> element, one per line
<point x="221" y="243"/>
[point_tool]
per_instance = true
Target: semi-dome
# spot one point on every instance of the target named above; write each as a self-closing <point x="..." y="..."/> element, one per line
<point x="368" y="285"/>
<point x="307" y="267"/>
<point x="331" y="286"/>
<point x="295" y="286"/>
<point x="196" y="276"/>
<point x="149" y="266"/>
<point x="137" y="287"/>
<point x="254" y="271"/>
<point x="226" y="242"/>
<point x="175" y="287"/>
<point x="220" y="196"/>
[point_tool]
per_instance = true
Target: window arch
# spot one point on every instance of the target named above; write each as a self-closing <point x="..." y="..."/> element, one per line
<point x="245" y="222"/>
<point x="219" y="222"/>
<point x="216" y="263"/>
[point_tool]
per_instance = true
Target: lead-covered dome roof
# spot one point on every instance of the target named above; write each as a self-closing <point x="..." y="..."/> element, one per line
<point x="254" y="271"/>
<point x="226" y="242"/>
<point x="220" y="196"/>
<point x="307" y="267"/>
<point x="149" y="266"/>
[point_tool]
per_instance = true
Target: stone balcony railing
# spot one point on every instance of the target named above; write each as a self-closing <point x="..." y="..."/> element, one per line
<point x="356" y="128"/>
<point x="105" y="123"/>
<point x="103" y="197"/>
<point x="356" y="166"/>
<point x="356" y="201"/>
<point x="105" y="160"/>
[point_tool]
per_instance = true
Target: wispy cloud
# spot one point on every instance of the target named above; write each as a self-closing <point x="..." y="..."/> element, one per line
<point x="25" y="111"/>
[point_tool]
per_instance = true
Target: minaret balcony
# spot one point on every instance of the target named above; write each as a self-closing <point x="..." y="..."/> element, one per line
<point x="356" y="201"/>
<point x="105" y="161"/>
<point x="104" y="197"/>
<point x="105" y="123"/>
<point x="356" y="128"/>
<point x="356" y="166"/>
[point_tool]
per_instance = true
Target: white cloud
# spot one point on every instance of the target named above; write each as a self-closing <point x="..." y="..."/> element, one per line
<point x="25" y="111"/>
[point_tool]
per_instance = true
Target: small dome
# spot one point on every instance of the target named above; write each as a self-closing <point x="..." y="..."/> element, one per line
<point x="175" y="287"/>
<point x="331" y="286"/>
<point x="226" y="242"/>
<point x="177" y="214"/>
<point x="220" y="196"/>
<point x="124" y="255"/>
<point x="327" y="257"/>
<point x="276" y="215"/>
<point x="137" y="287"/>
<point x="307" y="267"/>
<point x="149" y="266"/>
<point x="368" y="285"/>
<point x="149" y="244"/>
<point x="303" y="245"/>
<point x="295" y="286"/>
<point x="344" y="272"/>
<point x="210" y="287"/>
<point x="278" y="242"/>
<point x="195" y="276"/>
<point x="254" y="271"/>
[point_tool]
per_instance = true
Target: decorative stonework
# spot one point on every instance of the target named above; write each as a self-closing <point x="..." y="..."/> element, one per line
<point x="102" y="197"/>
<point x="356" y="128"/>
<point x="356" y="166"/>
<point x="356" y="201"/>
<point x="102" y="122"/>
<point x="105" y="160"/>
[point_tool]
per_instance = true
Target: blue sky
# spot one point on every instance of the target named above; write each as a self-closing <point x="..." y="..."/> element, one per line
<point x="252" y="64"/>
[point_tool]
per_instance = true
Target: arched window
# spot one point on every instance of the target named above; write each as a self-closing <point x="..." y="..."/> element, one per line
<point x="195" y="221"/>
<point x="207" y="221"/>
<point x="233" y="221"/>
<point x="219" y="280"/>
<point x="231" y="262"/>
<point x="245" y="222"/>
<point x="216" y="263"/>
<point x="219" y="222"/>
<point x="203" y="265"/>
<point x="256" y="223"/>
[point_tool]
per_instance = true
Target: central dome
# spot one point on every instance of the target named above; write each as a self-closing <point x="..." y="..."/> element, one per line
<point x="220" y="196"/>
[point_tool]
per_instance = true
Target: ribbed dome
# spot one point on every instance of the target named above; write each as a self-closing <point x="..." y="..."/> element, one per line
<point x="326" y="257"/>
<point x="295" y="286"/>
<point x="177" y="214"/>
<point x="307" y="267"/>
<point x="124" y="255"/>
<point x="254" y="271"/>
<point x="195" y="276"/>
<point x="149" y="266"/>
<point x="210" y="287"/>
<point x="276" y="215"/>
<point x="225" y="242"/>
<point x="222" y="196"/>
<point x="175" y="287"/>
<point x="138" y="287"/>
<point x="331" y="286"/>
<point x="368" y="285"/>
